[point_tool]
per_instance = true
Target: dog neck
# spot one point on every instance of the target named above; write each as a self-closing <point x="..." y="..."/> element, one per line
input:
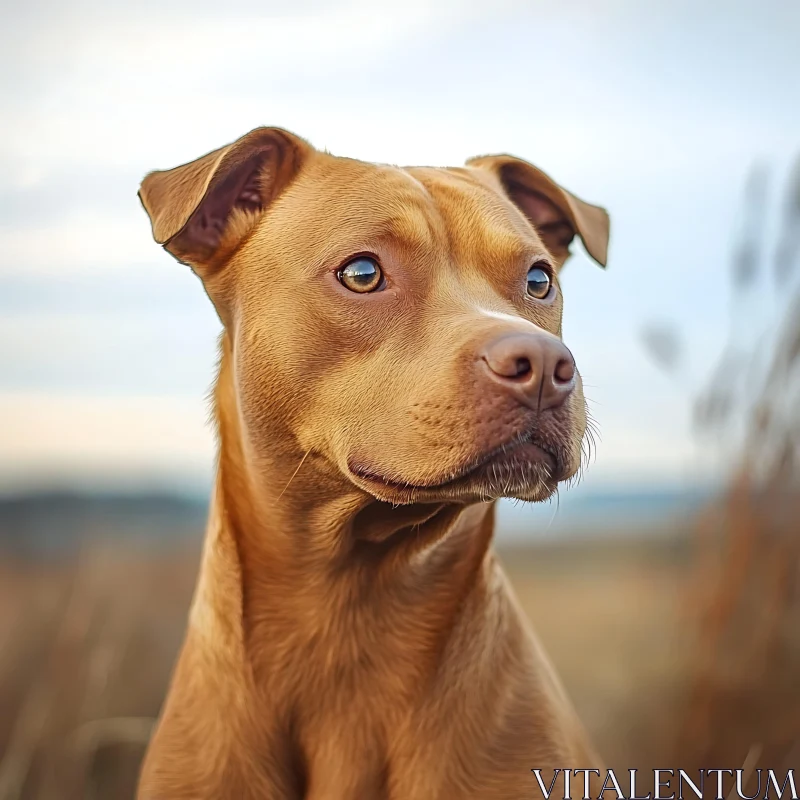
<point x="291" y="552"/>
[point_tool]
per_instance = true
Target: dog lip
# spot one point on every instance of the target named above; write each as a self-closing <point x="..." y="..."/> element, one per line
<point x="507" y="448"/>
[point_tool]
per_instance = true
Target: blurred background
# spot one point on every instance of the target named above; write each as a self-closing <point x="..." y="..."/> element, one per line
<point x="676" y="561"/>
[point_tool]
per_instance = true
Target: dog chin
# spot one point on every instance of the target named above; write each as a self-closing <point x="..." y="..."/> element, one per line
<point x="524" y="472"/>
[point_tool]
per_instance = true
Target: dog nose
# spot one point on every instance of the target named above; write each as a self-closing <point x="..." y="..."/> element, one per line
<point x="536" y="366"/>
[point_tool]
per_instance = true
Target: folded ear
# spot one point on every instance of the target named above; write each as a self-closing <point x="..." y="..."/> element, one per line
<point x="201" y="211"/>
<point x="556" y="214"/>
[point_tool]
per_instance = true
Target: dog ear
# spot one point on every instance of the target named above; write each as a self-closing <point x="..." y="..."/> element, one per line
<point x="556" y="214"/>
<point x="201" y="211"/>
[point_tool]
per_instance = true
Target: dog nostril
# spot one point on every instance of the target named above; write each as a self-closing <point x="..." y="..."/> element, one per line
<point x="523" y="367"/>
<point x="565" y="371"/>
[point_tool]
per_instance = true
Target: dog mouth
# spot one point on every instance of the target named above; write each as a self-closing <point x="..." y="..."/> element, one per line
<point x="523" y="467"/>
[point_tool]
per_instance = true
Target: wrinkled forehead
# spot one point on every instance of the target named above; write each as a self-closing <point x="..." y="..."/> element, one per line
<point x="340" y="205"/>
<point x="478" y="218"/>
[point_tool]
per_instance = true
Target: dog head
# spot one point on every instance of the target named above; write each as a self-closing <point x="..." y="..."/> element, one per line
<point x="401" y="324"/>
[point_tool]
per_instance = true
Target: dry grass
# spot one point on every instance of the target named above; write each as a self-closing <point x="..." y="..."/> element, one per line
<point x="678" y="650"/>
<point x="88" y="647"/>
<point x="86" y="653"/>
<point x="742" y="607"/>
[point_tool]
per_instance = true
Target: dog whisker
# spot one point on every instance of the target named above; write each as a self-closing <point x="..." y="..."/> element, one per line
<point x="556" y="510"/>
<point x="294" y="474"/>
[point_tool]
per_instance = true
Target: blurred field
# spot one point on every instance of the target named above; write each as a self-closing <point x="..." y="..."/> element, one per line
<point x="88" y="643"/>
<point x="88" y="640"/>
<point x="87" y="648"/>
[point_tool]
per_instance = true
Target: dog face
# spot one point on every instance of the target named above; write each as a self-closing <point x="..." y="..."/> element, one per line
<point x="402" y="325"/>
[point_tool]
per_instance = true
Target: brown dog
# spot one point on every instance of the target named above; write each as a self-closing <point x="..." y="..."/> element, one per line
<point x="391" y="364"/>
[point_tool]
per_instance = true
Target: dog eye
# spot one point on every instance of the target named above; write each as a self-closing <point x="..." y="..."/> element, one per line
<point x="361" y="275"/>
<point x="539" y="282"/>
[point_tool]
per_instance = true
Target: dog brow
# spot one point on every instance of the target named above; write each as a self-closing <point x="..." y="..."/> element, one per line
<point x="413" y="228"/>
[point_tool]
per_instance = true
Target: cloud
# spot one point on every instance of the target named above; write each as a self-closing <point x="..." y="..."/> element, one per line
<point x="82" y="240"/>
<point x="110" y="352"/>
<point x="120" y="87"/>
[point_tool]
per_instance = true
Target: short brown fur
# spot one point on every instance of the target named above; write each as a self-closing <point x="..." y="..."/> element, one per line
<point x="352" y="635"/>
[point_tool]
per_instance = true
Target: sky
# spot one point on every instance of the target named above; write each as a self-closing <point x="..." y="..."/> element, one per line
<point x="654" y="110"/>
